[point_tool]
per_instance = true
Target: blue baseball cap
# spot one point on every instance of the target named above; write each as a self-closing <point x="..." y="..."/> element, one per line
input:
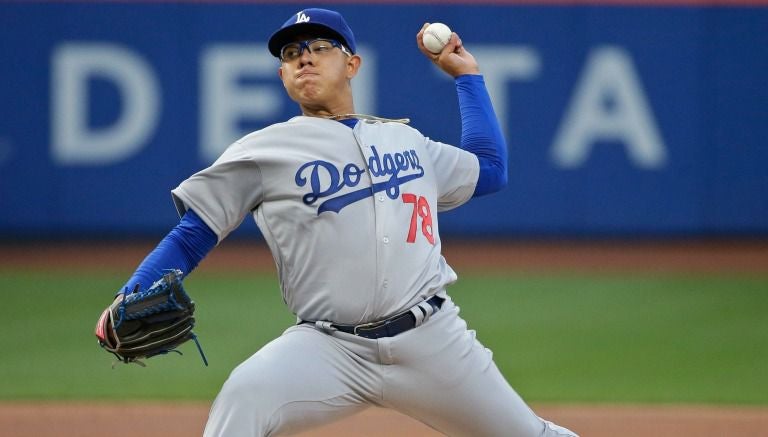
<point x="314" y="21"/>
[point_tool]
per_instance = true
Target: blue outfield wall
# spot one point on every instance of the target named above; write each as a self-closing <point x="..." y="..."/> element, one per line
<point x="621" y="120"/>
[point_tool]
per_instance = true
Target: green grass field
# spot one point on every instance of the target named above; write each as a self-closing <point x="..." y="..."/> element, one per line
<point x="563" y="338"/>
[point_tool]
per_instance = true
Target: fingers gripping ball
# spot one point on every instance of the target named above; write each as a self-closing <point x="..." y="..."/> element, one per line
<point x="143" y="324"/>
<point x="436" y="36"/>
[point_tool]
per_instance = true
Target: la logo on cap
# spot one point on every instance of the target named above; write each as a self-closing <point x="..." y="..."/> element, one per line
<point x="301" y="17"/>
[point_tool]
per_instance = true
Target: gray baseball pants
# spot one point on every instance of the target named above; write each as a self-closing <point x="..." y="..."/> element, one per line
<point x="437" y="373"/>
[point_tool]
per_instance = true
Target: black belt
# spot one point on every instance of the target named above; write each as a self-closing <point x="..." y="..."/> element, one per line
<point x="385" y="328"/>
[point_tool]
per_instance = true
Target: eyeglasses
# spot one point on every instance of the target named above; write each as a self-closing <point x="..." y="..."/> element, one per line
<point x="320" y="46"/>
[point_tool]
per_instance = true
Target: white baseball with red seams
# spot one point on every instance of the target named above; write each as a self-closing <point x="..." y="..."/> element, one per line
<point x="436" y="36"/>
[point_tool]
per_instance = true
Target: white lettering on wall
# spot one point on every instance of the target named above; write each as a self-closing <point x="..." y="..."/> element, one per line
<point x="239" y="82"/>
<point x="609" y="105"/>
<point x="73" y="140"/>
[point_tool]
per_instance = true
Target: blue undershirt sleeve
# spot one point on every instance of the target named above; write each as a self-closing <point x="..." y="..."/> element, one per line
<point x="183" y="248"/>
<point x="481" y="134"/>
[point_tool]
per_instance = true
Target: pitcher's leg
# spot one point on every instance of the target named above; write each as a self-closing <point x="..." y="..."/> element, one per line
<point x="444" y="377"/>
<point x="297" y="381"/>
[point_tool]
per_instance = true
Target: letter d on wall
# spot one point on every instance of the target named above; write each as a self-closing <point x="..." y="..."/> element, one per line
<point x="72" y="140"/>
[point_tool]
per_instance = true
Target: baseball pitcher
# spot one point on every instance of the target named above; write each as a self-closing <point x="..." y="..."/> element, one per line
<point x="347" y="204"/>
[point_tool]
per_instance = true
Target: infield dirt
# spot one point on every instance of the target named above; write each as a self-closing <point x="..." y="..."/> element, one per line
<point x="185" y="420"/>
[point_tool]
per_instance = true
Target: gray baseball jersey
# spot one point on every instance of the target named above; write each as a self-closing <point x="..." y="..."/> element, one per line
<point x="350" y="218"/>
<point x="349" y="214"/>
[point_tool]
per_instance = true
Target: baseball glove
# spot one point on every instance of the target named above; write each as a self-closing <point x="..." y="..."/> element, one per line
<point x="143" y="324"/>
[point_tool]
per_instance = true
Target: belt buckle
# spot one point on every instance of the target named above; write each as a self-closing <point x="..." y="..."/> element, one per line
<point x="372" y="325"/>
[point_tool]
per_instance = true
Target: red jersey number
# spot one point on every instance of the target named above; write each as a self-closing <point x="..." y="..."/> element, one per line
<point x="420" y="210"/>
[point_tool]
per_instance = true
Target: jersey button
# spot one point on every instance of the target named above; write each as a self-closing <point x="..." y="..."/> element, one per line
<point x="385" y="240"/>
<point x="381" y="198"/>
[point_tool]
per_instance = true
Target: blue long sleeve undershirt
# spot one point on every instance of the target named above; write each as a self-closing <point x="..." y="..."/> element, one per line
<point x="183" y="248"/>
<point x="481" y="134"/>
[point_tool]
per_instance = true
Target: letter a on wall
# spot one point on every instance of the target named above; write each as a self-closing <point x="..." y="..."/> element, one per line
<point x="609" y="105"/>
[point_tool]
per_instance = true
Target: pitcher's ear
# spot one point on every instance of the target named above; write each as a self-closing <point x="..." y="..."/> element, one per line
<point x="353" y="65"/>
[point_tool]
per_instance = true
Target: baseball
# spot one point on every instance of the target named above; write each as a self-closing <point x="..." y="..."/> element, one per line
<point x="436" y="36"/>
